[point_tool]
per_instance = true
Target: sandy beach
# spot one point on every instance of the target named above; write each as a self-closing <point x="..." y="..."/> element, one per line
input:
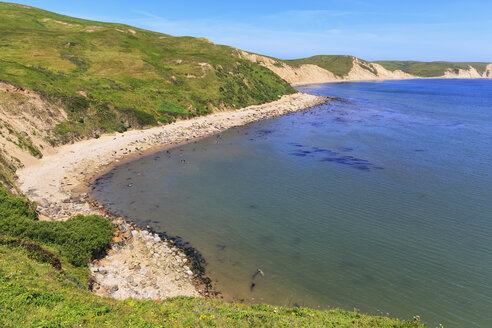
<point x="55" y="180"/>
<point x="140" y="264"/>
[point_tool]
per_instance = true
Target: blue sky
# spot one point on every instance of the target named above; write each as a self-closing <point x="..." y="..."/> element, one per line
<point x="399" y="30"/>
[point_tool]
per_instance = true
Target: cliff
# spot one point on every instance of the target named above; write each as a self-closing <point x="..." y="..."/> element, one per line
<point x="324" y="69"/>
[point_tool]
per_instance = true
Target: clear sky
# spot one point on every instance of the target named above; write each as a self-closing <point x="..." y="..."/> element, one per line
<point x="380" y="29"/>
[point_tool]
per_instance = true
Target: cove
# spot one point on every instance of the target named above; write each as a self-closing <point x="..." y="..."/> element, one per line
<point x="380" y="202"/>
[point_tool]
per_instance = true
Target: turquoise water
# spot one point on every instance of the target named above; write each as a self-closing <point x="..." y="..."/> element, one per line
<point x="380" y="202"/>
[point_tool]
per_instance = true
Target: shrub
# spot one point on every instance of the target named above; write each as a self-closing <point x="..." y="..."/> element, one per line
<point x="78" y="239"/>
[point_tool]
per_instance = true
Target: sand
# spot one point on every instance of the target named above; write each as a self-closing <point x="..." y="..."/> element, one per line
<point x="55" y="181"/>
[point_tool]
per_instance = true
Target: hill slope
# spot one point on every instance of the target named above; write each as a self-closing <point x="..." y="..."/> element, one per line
<point x="109" y="77"/>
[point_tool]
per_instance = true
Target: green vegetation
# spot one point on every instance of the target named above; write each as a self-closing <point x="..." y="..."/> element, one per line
<point x="34" y="250"/>
<point x="35" y="294"/>
<point x="340" y="65"/>
<point x="429" y="69"/>
<point x="111" y="77"/>
<point x="78" y="239"/>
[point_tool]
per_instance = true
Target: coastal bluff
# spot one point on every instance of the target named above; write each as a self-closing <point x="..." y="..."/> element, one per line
<point x="327" y="69"/>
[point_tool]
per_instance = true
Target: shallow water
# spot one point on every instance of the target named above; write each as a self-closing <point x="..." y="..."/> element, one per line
<point x="380" y="202"/>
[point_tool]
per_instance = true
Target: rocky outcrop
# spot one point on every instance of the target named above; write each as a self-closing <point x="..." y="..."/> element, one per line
<point x="141" y="265"/>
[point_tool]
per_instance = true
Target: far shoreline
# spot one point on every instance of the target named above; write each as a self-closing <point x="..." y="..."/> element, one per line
<point x="295" y="85"/>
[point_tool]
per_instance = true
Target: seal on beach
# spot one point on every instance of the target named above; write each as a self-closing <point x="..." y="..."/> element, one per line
<point x="258" y="272"/>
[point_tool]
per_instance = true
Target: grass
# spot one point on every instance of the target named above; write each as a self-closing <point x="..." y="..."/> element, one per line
<point x="111" y="77"/>
<point x="430" y="69"/>
<point x="35" y="294"/>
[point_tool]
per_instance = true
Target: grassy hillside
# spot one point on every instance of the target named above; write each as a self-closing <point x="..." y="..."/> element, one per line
<point x="429" y="69"/>
<point x="339" y="65"/>
<point x="34" y="294"/>
<point x="110" y="77"/>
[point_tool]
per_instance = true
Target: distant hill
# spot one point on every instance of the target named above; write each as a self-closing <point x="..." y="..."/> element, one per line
<point x="332" y="68"/>
<point x="433" y="69"/>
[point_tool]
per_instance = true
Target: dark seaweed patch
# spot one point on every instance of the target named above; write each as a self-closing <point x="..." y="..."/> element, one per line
<point x="324" y="151"/>
<point x="356" y="163"/>
<point x="335" y="157"/>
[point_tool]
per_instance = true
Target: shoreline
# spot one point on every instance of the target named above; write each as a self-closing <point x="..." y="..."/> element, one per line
<point x="59" y="184"/>
<point x="388" y="79"/>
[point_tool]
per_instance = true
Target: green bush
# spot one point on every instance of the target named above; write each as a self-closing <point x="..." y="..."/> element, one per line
<point x="78" y="239"/>
<point x="13" y="206"/>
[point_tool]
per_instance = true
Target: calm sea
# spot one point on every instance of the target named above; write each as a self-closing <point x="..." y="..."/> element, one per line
<point x="380" y="202"/>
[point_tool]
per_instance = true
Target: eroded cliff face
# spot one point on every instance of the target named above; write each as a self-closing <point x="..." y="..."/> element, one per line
<point x="361" y="71"/>
<point x="488" y="71"/>
<point x="309" y="73"/>
<point x="26" y="123"/>
<point x="26" y="129"/>
<point x="303" y="74"/>
<point x="470" y="73"/>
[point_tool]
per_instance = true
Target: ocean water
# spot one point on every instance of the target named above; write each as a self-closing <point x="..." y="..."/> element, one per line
<point x="380" y="202"/>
